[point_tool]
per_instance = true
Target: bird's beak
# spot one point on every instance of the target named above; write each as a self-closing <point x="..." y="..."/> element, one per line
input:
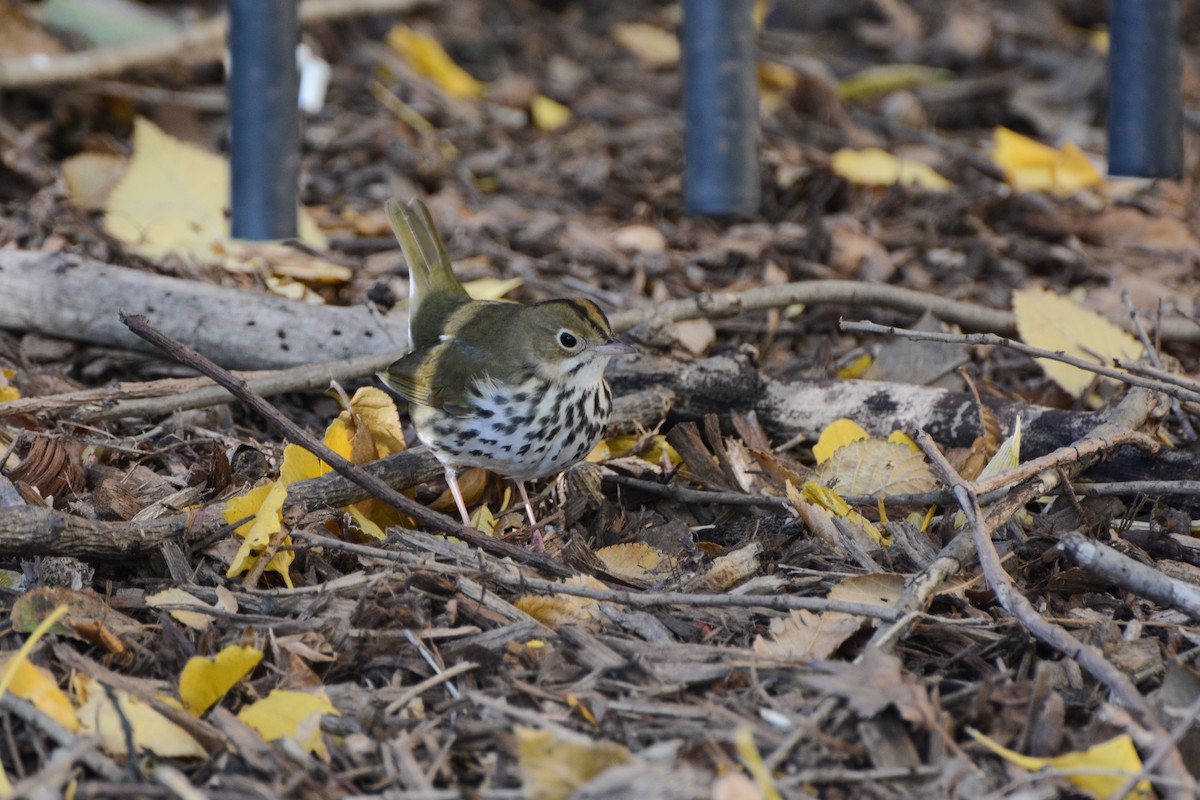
<point x="614" y="347"/>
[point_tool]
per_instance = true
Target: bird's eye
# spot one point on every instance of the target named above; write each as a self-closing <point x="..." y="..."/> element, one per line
<point x="567" y="340"/>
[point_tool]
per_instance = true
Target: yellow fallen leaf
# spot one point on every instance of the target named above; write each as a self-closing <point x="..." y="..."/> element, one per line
<point x="875" y="467"/>
<point x="473" y="483"/>
<point x="563" y="609"/>
<point x="13" y="665"/>
<point x="855" y="366"/>
<point x="826" y="498"/>
<point x="636" y="561"/>
<point x="204" y="681"/>
<point x="257" y="533"/>
<point x="491" y="288"/>
<point x="776" y="82"/>
<point x="900" y="437"/>
<point x="548" y="115"/>
<point x="369" y="527"/>
<point x="296" y="715"/>
<point x="875" y="167"/>
<point x="752" y="760"/>
<point x="425" y="55"/>
<point x="836" y="435"/>
<point x="196" y="620"/>
<point x="174" y="197"/>
<point x="555" y="763"/>
<point x="377" y="413"/>
<point x="1052" y="322"/>
<point x="653" y="46"/>
<point x="1116" y="754"/>
<point x="8" y="392"/>
<point x="90" y="177"/>
<point x="617" y="446"/>
<point x="1007" y="455"/>
<point x="152" y="732"/>
<point x="887" y="78"/>
<point x="1030" y="166"/>
<point x="39" y="687"/>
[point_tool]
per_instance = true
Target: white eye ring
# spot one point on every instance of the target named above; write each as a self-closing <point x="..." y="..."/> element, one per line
<point x="567" y="340"/>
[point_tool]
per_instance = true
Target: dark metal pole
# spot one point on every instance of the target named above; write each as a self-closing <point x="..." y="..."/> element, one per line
<point x="1144" y="102"/>
<point x="264" y="120"/>
<point x="720" y="101"/>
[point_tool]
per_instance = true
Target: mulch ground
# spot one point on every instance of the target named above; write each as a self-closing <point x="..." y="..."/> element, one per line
<point x="734" y="667"/>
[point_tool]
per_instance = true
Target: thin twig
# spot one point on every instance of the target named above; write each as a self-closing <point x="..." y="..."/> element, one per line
<point x="683" y="494"/>
<point x="631" y="598"/>
<point x="1152" y="356"/>
<point x="94" y="759"/>
<point x="991" y="340"/>
<point x="1132" y="576"/>
<point x="1161" y="750"/>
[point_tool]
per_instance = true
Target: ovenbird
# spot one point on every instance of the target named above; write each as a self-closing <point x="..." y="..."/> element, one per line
<point x="515" y="389"/>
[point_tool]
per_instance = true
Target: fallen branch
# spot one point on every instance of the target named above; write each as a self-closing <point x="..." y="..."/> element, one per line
<point x="193" y="44"/>
<point x="1121" y="570"/>
<point x="237" y="328"/>
<point x="254" y="330"/>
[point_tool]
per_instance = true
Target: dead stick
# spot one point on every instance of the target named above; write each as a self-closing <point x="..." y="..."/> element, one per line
<point x="139" y="325"/>
<point x="1161" y="750"/>
<point x="1145" y="581"/>
<point x="990" y="340"/>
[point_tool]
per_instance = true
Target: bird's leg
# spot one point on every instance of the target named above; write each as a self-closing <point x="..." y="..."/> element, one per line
<point x="452" y="479"/>
<point x="535" y="539"/>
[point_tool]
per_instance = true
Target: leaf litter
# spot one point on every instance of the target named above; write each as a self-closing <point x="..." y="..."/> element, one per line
<point x="743" y="640"/>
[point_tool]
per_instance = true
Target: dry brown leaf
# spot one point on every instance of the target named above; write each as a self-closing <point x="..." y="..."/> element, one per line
<point x="806" y="635"/>
<point x="563" y="609"/>
<point x="695" y="335"/>
<point x="653" y="46"/>
<point x="872" y="466"/>
<point x="872" y="684"/>
<point x="636" y="561"/>
<point x="1128" y="227"/>
<point x="640" y="239"/>
<point x="730" y="569"/>
<point x="878" y="588"/>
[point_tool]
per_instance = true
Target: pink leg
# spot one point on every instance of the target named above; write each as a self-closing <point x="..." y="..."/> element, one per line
<point x="452" y="479"/>
<point x="535" y="540"/>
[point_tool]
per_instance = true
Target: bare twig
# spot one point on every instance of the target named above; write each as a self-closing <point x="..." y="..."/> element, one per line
<point x="1152" y="356"/>
<point x="991" y="340"/>
<point x="1161" y="750"/>
<point x="94" y="759"/>
<point x="1144" y="581"/>
<point x="637" y="599"/>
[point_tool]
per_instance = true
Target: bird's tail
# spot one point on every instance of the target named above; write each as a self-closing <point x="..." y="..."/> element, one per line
<point x="429" y="270"/>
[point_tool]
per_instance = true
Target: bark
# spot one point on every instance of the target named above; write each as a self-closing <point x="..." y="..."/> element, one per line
<point x="61" y="295"/>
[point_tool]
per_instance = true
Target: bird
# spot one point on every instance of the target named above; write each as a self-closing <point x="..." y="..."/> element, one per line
<point x="516" y="389"/>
